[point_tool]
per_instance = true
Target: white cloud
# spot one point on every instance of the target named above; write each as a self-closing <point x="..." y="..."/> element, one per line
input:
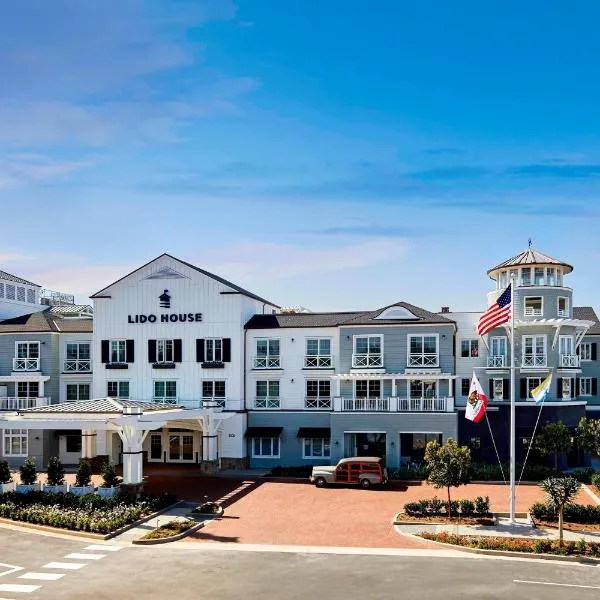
<point x="17" y="169"/>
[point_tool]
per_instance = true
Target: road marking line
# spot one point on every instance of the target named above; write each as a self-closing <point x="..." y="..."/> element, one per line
<point x="19" y="588"/>
<point x="64" y="565"/>
<point x="79" y="556"/>
<point x="9" y="569"/>
<point x="101" y="547"/>
<point x="42" y="576"/>
<point x="589" y="587"/>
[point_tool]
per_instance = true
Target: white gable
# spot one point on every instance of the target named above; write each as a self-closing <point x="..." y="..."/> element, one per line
<point x="166" y="273"/>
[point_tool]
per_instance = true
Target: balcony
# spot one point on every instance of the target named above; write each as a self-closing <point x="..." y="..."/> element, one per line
<point x="267" y="362"/>
<point x="367" y="361"/>
<point x="218" y="404"/>
<point x="318" y="362"/>
<point x="534" y="360"/>
<point x="569" y="360"/>
<point x="393" y="404"/>
<point x="13" y="403"/>
<point x="266" y="402"/>
<point x="362" y="405"/>
<point x="439" y="404"/>
<point x="317" y="402"/>
<point x="77" y="366"/>
<point x="423" y="360"/>
<point x="26" y="364"/>
<point x="165" y="400"/>
<point x="496" y="362"/>
<point x="533" y="312"/>
<point x="563" y="313"/>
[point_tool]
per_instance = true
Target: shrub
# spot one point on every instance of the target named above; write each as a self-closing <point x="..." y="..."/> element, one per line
<point x="84" y="474"/>
<point x="5" y="476"/>
<point x="207" y="508"/>
<point x="542" y="546"/>
<point x="55" y="471"/>
<point x="595" y="480"/>
<point x="279" y="471"/>
<point x="492" y="472"/>
<point x="436" y="506"/>
<point x="413" y="509"/>
<point x="28" y="471"/>
<point x="583" y="475"/>
<point x="467" y="508"/>
<point x="109" y="476"/>
<point x="482" y="505"/>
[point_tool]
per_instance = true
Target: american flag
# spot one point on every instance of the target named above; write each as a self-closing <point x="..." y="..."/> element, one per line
<point x="497" y="314"/>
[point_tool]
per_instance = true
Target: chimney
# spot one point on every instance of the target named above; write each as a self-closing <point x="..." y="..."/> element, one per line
<point x="445" y="309"/>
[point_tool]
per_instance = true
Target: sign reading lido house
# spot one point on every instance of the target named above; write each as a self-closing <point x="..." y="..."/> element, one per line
<point x="166" y="318"/>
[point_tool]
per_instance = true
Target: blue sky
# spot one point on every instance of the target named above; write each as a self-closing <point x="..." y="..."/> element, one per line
<point x="335" y="155"/>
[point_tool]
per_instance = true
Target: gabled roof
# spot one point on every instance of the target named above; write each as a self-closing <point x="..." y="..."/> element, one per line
<point x="100" y="405"/>
<point x="531" y="257"/>
<point x="587" y="313"/>
<point x="45" y="321"/>
<point x="233" y="286"/>
<point x="424" y="316"/>
<point x="8" y="277"/>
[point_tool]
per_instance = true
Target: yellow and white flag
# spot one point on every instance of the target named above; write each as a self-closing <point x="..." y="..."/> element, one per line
<point x="540" y="393"/>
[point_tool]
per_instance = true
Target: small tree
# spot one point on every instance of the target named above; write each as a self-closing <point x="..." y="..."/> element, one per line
<point x="5" y="476"/>
<point x="109" y="474"/>
<point x="83" y="477"/>
<point x="560" y="491"/>
<point x="28" y="471"/>
<point x="588" y="435"/>
<point x="448" y="466"/>
<point x="56" y="471"/>
<point x="554" y="438"/>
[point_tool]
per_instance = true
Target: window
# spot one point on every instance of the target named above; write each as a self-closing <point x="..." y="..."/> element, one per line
<point x="551" y="276"/>
<point x="117" y="389"/>
<point x="469" y="349"/>
<point x="265" y="447"/>
<point x="503" y="279"/>
<point x="73" y="443"/>
<point x="465" y="385"/>
<point x="559" y="278"/>
<point x="318" y="393"/>
<point x="164" y="351"/>
<point x="78" y="391"/>
<point x="267" y="354"/>
<point x="585" y="386"/>
<point x="77" y="357"/>
<point x="27" y="350"/>
<point x="15" y="442"/>
<point x="566" y="353"/>
<point x="165" y="391"/>
<point x="316" y="448"/>
<point x="367" y="388"/>
<point x="213" y="389"/>
<point x="28" y="389"/>
<point x="497" y="357"/>
<point x="118" y="352"/>
<point x="267" y="394"/>
<point x="533" y="306"/>
<point x="318" y="353"/>
<point x="534" y="350"/>
<point x="566" y="387"/>
<point x="585" y="351"/>
<point x="367" y="351"/>
<point x="526" y="276"/>
<point x="563" y="306"/>
<point x="30" y="296"/>
<point x="422" y="350"/>
<point x="532" y="383"/>
<point x="214" y="350"/>
<point x="155" y="446"/>
<point x="422" y="389"/>
<point x="538" y="276"/>
<point x="498" y="388"/>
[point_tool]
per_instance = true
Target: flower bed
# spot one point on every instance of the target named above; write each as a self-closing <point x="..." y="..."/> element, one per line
<point x="84" y="513"/>
<point x="456" y="519"/>
<point x="479" y="508"/>
<point x="581" y="548"/>
<point x="171" y="529"/>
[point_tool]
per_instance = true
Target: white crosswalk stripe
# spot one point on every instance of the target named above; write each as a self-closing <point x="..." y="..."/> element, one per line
<point x="42" y="576"/>
<point x="103" y="548"/>
<point x="81" y="556"/>
<point x="64" y="565"/>
<point x="18" y="588"/>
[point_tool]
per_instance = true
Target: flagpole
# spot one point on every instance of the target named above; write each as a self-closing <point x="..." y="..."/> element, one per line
<point x="512" y="501"/>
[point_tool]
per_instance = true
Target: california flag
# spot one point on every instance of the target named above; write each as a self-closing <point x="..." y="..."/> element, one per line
<point x="477" y="401"/>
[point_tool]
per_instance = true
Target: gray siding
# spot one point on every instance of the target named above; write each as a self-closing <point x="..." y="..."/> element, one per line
<point x="550" y="301"/>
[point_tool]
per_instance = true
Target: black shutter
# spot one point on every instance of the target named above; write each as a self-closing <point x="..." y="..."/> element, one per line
<point x="465" y="384"/>
<point x="226" y="350"/>
<point x="151" y="351"/>
<point x="491" y="394"/>
<point x="129" y="352"/>
<point x="594" y="386"/>
<point x="199" y="350"/>
<point x="594" y="350"/>
<point x="506" y="389"/>
<point x="574" y="381"/>
<point x="105" y="351"/>
<point x="177" y="350"/>
<point x="559" y="388"/>
<point x="452" y="388"/>
<point x="523" y="389"/>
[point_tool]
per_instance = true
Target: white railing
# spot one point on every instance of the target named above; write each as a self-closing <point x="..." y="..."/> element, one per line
<point x="563" y="313"/>
<point x="213" y="402"/>
<point x="77" y="366"/>
<point x="365" y="405"/>
<point x="534" y="360"/>
<point x="26" y="364"/>
<point x="217" y="404"/>
<point x="439" y="404"/>
<point x="496" y="361"/>
<point x="267" y="362"/>
<point x="423" y="360"/>
<point x="533" y="312"/>
<point x="569" y="360"/>
<point x="320" y="402"/>
<point x="13" y="403"/>
<point x="165" y="400"/>
<point x="367" y="360"/>
<point x="266" y="402"/>
<point x="318" y="362"/>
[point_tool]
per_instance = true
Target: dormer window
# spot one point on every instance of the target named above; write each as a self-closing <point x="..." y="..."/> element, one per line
<point x="533" y="306"/>
<point x="397" y="312"/>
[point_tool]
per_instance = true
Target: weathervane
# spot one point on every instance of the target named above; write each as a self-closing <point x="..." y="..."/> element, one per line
<point x="530" y="242"/>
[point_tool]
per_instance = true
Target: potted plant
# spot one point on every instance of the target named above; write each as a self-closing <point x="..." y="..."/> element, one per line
<point x="56" y="477"/>
<point x="83" y="480"/>
<point x="111" y="481"/>
<point x="28" y="474"/>
<point x="6" y="481"/>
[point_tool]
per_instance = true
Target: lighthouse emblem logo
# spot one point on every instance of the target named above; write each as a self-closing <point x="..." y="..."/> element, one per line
<point x="165" y="299"/>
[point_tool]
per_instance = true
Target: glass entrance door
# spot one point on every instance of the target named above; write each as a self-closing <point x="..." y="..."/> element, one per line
<point x="181" y="447"/>
<point x="370" y="444"/>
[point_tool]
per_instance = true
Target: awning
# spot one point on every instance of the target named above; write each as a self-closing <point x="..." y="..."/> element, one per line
<point x="314" y="432"/>
<point x="253" y="432"/>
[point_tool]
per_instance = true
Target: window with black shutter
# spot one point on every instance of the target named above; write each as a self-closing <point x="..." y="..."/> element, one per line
<point x="177" y="351"/>
<point x="151" y="351"/>
<point x="491" y="390"/>
<point x="594" y="350"/>
<point x="506" y="389"/>
<point x="594" y="386"/>
<point x="129" y="351"/>
<point x="465" y="385"/>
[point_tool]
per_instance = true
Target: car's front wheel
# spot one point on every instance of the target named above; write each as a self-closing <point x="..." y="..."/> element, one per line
<point x="365" y="484"/>
<point x="320" y="482"/>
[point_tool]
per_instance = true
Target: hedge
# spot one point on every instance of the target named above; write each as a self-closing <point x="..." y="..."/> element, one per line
<point x="574" y="513"/>
<point x="479" y="507"/>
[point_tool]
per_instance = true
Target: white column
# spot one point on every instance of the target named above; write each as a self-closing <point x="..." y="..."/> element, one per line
<point x="133" y="439"/>
<point x="209" y="438"/>
<point x="41" y="389"/>
<point x="88" y="443"/>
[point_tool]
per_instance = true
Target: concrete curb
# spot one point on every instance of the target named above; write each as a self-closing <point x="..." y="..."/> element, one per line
<point x="398" y="521"/>
<point x="141" y="521"/>
<point x="173" y="538"/>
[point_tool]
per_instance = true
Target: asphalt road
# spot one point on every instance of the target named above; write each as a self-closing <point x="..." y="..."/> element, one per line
<point x="192" y="572"/>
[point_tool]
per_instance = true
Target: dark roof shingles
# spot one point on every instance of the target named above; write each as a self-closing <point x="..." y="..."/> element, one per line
<point x="44" y="321"/>
<point x="587" y="313"/>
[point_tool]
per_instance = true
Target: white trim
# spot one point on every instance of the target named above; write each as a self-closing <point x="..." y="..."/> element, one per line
<point x="381" y="352"/>
<point x="568" y="305"/>
<point x="278" y="455"/>
<point x="423" y="335"/>
<point x="312" y="456"/>
<point x="469" y="355"/>
<point x="534" y="336"/>
<point x="588" y="344"/>
<point x="533" y="314"/>
<point x="579" y="391"/>
<point x="368" y="380"/>
<point x="24" y="434"/>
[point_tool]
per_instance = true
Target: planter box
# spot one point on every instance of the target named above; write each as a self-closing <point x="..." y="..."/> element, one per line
<point x="81" y="491"/>
<point x="55" y="489"/>
<point x="7" y="487"/>
<point x="25" y="489"/>
<point x="107" y="492"/>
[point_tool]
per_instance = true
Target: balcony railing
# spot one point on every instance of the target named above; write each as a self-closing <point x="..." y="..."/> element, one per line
<point x="318" y="402"/>
<point x="318" y="362"/>
<point x="266" y="402"/>
<point x="393" y="404"/>
<point x="533" y="312"/>
<point x="423" y="360"/>
<point x="439" y="404"/>
<point x="569" y="360"/>
<point x="496" y="361"/>
<point x="365" y="405"/>
<point x="13" y="403"/>
<point x="563" y="313"/>
<point x="165" y="399"/>
<point x="267" y="362"/>
<point x="26" y="364"/>
<point x="360" y="361"/>
<point x="217" y="404"/>
<point x="534" y="360"/>
<point x="77" y="366"/>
